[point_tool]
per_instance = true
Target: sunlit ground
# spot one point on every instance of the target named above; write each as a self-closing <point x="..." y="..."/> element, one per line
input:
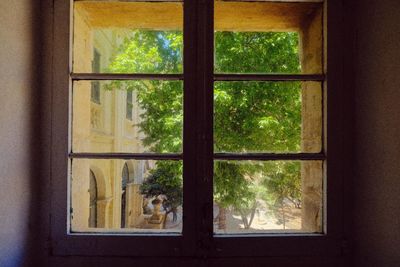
<point x="265" y="219"/>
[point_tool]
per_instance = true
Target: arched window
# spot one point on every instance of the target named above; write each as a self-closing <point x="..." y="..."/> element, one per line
<point x="125" y="179"/>
<point x="93" y="200"/>
<point x="129" y="105"/>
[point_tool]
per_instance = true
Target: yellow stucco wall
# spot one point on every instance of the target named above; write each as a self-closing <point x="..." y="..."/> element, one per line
<point x="101" y="127"/>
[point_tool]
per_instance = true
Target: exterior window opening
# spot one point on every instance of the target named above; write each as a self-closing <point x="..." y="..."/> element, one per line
<point x="125" y="179"/>
<point x="93" y="201"/>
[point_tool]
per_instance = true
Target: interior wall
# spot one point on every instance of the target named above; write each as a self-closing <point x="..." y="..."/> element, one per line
<point x="18" y="76"/>
<point x="376" y="185"/>
<point x="377" y="136"/>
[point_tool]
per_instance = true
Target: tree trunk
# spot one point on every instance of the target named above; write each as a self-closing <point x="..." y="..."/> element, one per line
<point x="253" y="213"/>
<point x="221" y="218"/>
<point x="283" y="215"/>
<point x="244" y="219"/>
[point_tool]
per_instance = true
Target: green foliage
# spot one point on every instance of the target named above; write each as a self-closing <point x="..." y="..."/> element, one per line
<point x="149" y="52"/>
<point x="256" y="52"/>
<point x="231" y="173"/>
<point x="254" y="116"/>
<point x="165" y="180"/>
<point x="154" y="52"/>
<point x="257" y="116"/>
<point x="249" y="116"/>
<point x="282" y="182"/>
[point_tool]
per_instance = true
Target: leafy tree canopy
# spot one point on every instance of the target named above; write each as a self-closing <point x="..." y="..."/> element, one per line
<point x="165" y="181"/>
<point x="249" y="116"/>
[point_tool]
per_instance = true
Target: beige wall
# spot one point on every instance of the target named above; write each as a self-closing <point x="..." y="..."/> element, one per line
<point x="18" y="57"/>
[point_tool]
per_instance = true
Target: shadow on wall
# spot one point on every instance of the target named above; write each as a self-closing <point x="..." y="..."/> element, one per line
<point x="21" y="142"/>
<point x="23" y="151"/>
<point x="40" y="122"/>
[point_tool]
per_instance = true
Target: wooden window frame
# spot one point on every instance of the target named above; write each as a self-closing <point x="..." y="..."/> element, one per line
<point x="197" y="239"/>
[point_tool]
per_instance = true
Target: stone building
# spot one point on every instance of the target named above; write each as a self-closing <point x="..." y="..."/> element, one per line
<point x="104" y="193"/>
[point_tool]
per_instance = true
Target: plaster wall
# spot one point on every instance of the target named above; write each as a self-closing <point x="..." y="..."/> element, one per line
<point x="17" y="137"/>
<point x="376" y="189"/>
<point x="377" y="127"/>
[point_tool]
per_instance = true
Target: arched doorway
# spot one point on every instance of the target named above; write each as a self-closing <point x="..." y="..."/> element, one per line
<point x="93" y="200"/>
<point x="125" y="179"/>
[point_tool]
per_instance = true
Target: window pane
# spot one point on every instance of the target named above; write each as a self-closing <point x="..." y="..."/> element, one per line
<point x="127" y="37"/>
<point x="267" y="117"/>
<point x="267" y="197"/>
<point x="268" y="37"/>
<point x="126" y="196"/>
<point x="154" y="123"/>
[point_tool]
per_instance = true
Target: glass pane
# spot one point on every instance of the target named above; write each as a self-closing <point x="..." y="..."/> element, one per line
<point x="268" y="197"/>
<point x="129" y="116"/>
<point x="132" y="196"/>
<point x="268" y="37"/>
<point x="127" y="37"/>
<point x="276" y="117"/>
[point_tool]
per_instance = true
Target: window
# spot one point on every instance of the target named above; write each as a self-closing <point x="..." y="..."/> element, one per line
<point x="93" y="201"/>
<point x="95" y="90"/>
<point x="225" y="94"/>
<point x="125" y="179"/>
<point x="129" y="105"/>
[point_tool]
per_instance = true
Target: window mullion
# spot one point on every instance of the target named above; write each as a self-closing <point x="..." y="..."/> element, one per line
<point x="190" y="108"/>
<point x="205" y="126"/>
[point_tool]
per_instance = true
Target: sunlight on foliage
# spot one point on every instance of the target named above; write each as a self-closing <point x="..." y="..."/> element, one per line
<point x="249" y="116"/>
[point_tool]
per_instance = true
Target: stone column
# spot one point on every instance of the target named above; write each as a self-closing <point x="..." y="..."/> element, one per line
<point x="134" y="205"/>
<point x="103" y="205"/>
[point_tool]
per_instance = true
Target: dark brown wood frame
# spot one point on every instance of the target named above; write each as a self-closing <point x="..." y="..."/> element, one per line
<point x="197" y="238"/>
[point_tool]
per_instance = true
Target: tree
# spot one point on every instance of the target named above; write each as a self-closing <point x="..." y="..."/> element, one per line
<point x="283" y="185"/>
<point x="249" y="116"/>
<point x="161" y="102"/>
<point x="165" y="181"/>
<point x="253" y="116"/>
